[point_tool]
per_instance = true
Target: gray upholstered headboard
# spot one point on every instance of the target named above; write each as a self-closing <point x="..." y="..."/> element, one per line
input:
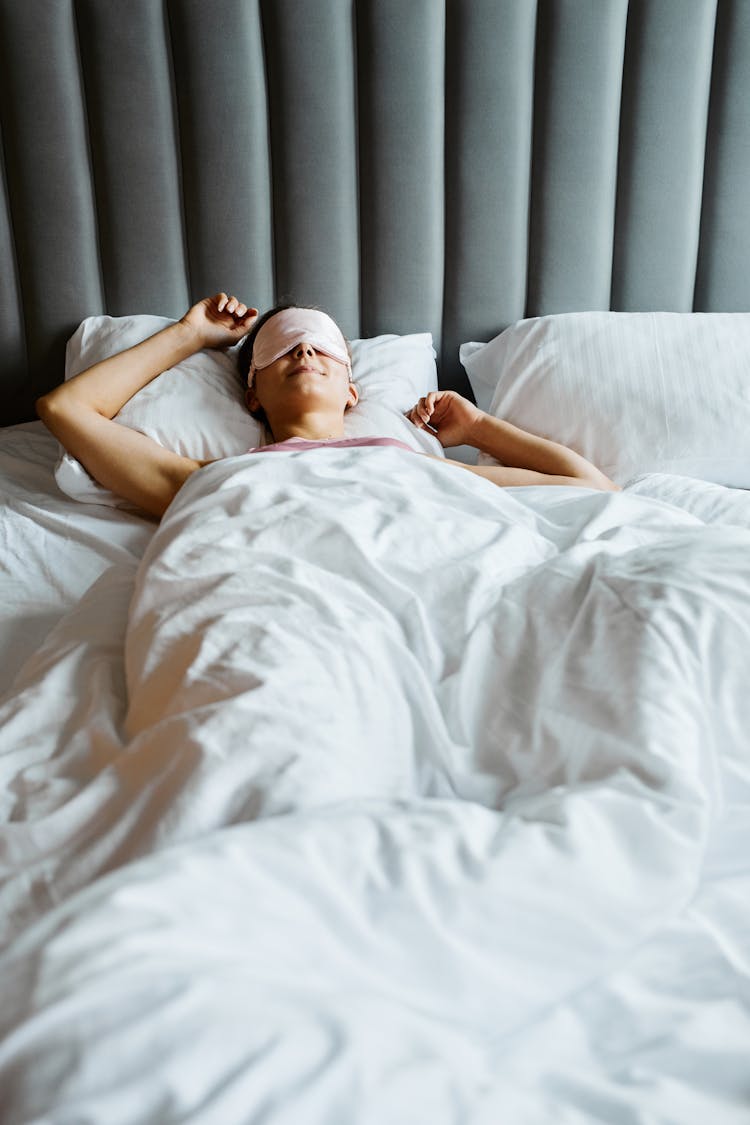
<point x="442" y="165"/>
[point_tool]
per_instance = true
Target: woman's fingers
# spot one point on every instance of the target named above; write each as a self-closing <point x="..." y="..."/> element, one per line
<point x="426" y="405"/>
<point x="423" y="410"/>
<point x="234" y="307"/>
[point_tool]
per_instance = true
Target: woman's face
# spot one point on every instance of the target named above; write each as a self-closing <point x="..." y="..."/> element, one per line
<point x="302" y="381"/>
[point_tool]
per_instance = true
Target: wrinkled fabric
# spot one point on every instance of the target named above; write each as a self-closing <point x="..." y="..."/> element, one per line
<point x="415" y="792"/>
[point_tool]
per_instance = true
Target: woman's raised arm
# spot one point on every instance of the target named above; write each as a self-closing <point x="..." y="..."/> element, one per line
<point x="80" y="412"/>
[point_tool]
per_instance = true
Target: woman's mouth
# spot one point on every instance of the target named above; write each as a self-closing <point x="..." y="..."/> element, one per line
<point x="303" y="369"/>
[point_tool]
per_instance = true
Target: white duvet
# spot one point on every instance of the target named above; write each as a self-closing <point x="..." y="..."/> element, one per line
<point x="421" y="800"/>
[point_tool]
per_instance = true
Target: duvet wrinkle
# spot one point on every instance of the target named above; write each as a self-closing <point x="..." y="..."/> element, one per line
<point x="389" y="755"/>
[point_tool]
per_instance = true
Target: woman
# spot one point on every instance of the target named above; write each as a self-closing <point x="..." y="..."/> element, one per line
<point x="299" y="377"/>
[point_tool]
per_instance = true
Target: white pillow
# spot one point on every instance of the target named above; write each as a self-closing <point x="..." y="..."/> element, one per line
<point x="633" y="392"/>
<point x="197" y="407"/>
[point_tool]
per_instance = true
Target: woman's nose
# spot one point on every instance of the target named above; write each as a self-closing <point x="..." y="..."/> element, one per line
<point x="303" y="348"/>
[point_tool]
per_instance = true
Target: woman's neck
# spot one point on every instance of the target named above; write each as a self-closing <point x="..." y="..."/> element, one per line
<point x="311" y="427"/>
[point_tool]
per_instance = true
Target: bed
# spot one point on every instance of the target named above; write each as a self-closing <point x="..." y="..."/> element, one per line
<point x="359" y="789"/>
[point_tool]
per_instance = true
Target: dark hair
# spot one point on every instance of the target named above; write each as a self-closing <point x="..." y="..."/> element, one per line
<point x="245" y="357"/>
<point x="245" y="353"/>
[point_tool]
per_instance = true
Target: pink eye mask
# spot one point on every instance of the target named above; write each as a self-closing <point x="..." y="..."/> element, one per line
<point x="291" y="327"/>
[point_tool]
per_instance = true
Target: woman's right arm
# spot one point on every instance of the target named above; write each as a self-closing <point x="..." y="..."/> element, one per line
<point x="80" y="412"/>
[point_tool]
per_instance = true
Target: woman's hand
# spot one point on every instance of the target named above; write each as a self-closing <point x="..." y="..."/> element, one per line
<point x="451" y="417"/>
<point x="219" y="321"/>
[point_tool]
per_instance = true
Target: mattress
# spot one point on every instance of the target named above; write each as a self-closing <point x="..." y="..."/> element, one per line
<point x="360" y="782"/>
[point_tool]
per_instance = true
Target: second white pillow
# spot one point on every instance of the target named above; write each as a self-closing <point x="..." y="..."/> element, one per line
<point x="632" y="392"/>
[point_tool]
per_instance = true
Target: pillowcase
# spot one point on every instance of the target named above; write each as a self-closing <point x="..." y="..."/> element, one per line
<point x="197" y="408"/>
<point x="633" y="392"/>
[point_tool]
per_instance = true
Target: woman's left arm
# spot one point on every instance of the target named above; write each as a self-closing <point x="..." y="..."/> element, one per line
<point x="524" y="458"/>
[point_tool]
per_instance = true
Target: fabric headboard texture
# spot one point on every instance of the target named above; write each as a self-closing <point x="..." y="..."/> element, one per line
<point x="432" y="165"/>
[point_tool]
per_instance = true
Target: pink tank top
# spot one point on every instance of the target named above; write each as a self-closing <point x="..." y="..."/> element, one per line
<point x="297" y="443"/>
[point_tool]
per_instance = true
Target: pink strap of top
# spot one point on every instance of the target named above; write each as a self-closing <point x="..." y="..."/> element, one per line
<point x="297" y="443"/>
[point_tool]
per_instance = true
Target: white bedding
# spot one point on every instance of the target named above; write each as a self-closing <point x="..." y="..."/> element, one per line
<point x="424" y="801"/>
<point x="52" y="550"/>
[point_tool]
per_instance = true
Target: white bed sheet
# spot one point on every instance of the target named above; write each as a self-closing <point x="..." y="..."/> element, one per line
<point x="506" y="881"/>
<point x="52" y="550"/>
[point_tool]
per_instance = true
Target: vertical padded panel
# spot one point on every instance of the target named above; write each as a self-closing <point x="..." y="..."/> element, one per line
<point x="402" y="71"/>
<point x="127" y="75"/>
<point x="312" y="108"/>
<point x="662" y="149"/>
<point x="489" y="93"/>
<point x="221" y="96"/>
<point x="576" y="124"/>
<point x="723" y="281"/>
<point x="48" y="178"/>
<point x="14" y="391"/>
